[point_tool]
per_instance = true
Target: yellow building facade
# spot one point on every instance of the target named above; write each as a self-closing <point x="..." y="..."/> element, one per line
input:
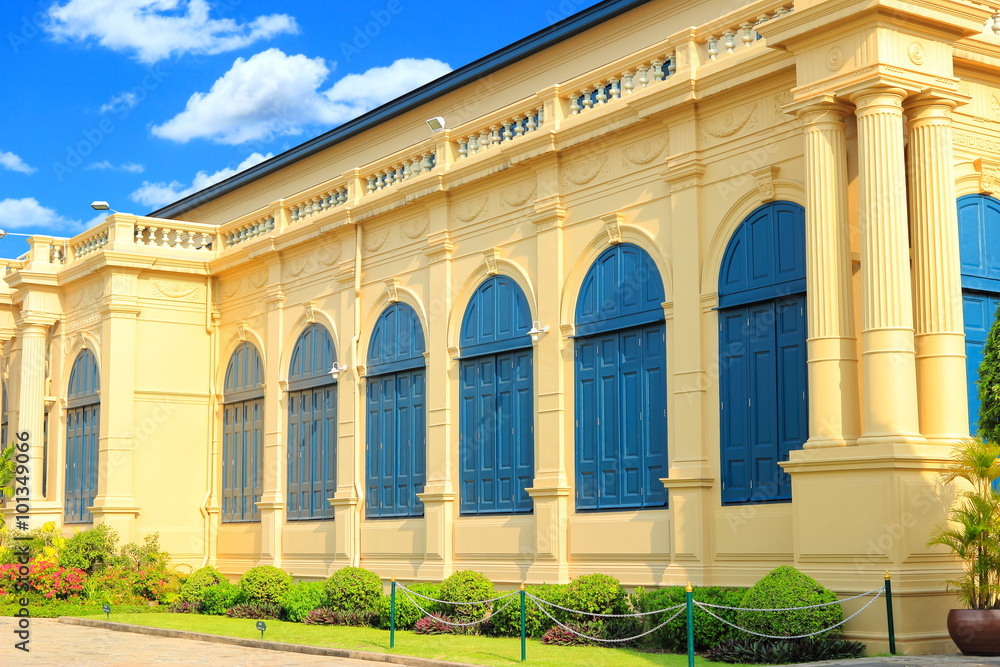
<point x="543" y="322"/>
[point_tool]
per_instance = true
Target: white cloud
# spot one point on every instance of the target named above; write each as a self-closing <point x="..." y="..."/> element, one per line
<point x="127" y="167"/>
<point x="157" y="29"/>
<point x="121" y="102"/>
<point x="163" y="193"/>
<point x="12" y="162"/>
<point x="28" y="214"/>
<point x="274" y="94"/>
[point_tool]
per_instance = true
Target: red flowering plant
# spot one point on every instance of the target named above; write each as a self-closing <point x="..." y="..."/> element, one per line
<point x="54" y="582"/>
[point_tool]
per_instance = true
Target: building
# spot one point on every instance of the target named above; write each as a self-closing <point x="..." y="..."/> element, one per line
<point x="672" y="303"/>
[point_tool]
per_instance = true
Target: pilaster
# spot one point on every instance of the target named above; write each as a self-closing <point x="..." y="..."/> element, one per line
<point x="272" y="501"/>
<point x="889" y="369"/>
<point x="33" y="328"/>
<point x="937" y="287"/>
<point x="834" y="410"/>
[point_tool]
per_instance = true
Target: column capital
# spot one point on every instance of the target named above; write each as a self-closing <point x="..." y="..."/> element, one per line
<point x="35" y="321"/>
<point x="932" y="104"/>
<point x="824" y="108"/>
<point x="878" y="98"/>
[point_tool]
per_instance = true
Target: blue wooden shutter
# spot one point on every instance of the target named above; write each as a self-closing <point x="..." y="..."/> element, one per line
<point x="496" y="435"/>
<point x="395" y="441"/>
<point x="243" y="435"/>
<point x="621" y="442"/>
<point x="83" y="419"/>
<point x="793" y="423"/>
<point x="734" y="397"/>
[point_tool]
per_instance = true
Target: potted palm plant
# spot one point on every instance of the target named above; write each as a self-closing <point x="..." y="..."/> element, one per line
<point x="973" y="533"/>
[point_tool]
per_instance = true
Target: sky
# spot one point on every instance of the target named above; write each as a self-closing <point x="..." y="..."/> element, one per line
<point x="142" y="102"/>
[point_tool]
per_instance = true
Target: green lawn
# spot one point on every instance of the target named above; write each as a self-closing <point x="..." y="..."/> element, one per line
<point x="497" y="651"/>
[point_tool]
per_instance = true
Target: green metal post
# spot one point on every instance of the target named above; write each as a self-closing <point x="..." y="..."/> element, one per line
<point x="689" y="599"/>
<point x="392" y="614"/>
<point x="524" y="641"/>
<point x="888" y="613"/>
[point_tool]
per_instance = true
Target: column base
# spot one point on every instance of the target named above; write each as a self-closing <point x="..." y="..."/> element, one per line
<point x="347" y="530"/>
<point x="551" y="563"/>
<point x="439" y="522"/>
<point x="272" y="519"/>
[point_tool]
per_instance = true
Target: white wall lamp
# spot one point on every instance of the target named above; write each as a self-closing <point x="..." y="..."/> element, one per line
<point x="436" y="123"/>
<point x="537" y="330"/>
<point x="337" y="370"/>
<point x="102" y="206"/>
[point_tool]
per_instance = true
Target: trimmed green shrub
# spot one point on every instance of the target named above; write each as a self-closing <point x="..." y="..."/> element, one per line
<point x="467" y="586"/>
<point x="597" y="594"/>
<point x="216" y="599"/>
<point x="265" y="583"/>
<point x="407" y="613"/>
<point x="302" y="598"/>
<point x="783" y="588"/>
<point x="194" y="586"/>
<point x="506" y="622"/>
<point x="708" y="631"/>
<point x="354" y="589"/>
<point x="756" y="651"/>
<point x="90" y="549"/>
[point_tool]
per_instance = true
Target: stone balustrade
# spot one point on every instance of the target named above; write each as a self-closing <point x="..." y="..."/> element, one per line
<point x="92" y="242"/>
<point x="57" y="252"/>
<point x="168" y="234"/>
<point x="995" y="23"/>
<point x="421" y="163"/>
<point x="499" y="131"/>
<point x="239" y="232"/>
<point x="736" y="31"/>
<point x="620" y="84"/>
<point x="324" y="200"/>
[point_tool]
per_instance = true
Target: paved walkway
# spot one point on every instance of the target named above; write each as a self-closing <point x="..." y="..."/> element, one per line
<point x="57" y="644"/>
<point x="907" y="661"/>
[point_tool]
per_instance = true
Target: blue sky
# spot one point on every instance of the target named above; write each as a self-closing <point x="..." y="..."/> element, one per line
<point x="139" y="102"/>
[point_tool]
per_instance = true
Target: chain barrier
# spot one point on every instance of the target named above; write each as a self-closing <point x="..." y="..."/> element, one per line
<point x="812" y="606"/>
<point x="421" y="595"/>
<point x="704" y="608"/>
<point x="493" y="613"/>
<point x="607" y="641"/>
<point x="588" y="613"/>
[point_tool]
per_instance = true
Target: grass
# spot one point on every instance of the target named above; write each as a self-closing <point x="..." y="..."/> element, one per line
<point x="494" y="651"/>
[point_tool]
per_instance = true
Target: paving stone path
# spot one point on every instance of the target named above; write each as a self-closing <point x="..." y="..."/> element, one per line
<point x="60" y="645"/>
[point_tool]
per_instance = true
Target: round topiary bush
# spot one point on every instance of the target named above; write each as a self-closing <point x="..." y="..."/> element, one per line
<point x="407" y="613"/>
<point x="467" y="586"/>
<point x="265" y="583"/>
<point x="217" y="598"/>
<point x="194" y="586"/>
<point x="783" y="588"/>
<point x="302" y="598"/>
<point x="354" y="590"/>
<point x="506" y="621"/>
<point x="595" y="593"/>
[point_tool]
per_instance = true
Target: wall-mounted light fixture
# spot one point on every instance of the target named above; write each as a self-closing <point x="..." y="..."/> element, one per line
<point x="337" y="370"/>
<point x="436" y="123"/>
<point x="537" y="330"/>
<point x="102" y="206"/>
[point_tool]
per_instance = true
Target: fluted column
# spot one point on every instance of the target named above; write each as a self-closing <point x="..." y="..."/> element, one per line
<point x="31" y="403"/>
<point x="890" y="387"/>
<point x="937" y="286"/>
<point x="834" y="417"/>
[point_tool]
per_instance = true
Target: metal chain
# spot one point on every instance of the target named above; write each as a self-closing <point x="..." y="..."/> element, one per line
<point x="597" y="639"/>
<point x="812" y="606"/>
<point x="811" y="634"/>
<point x="502" y="597"/>
<point x="589" y="613"/>
<point x="454" y="625"/>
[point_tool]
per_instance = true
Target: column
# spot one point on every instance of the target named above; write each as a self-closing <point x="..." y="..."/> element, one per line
<point x="834" y="410"/>
<point x="272" y="498"/>
<point x="31" y="398"/>
<point x="937" y="285"/>
<point x="890" y="387"/>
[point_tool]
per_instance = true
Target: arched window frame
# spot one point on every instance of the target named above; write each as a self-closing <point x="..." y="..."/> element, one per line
<point x="312" y="426"/>
<point x="621" y="383"/>
<point x="83" y="431"/>
<point x="979" y="246"/>
<point x="496" y="409"/>
<point x="762" y="318"/>
<point x="243" y="435"/>
<point x="396" y="419"/>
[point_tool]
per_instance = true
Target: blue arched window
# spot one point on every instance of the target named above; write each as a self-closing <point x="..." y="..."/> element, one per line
<point x="621" y="383"/>
<point x="396" y="422"/>
<point x="243" y="436"/>
<point x="762" y="353"/>
<point x="83" y="431"/>
<point x="979" y="243"/>
<point x="312" y="426"/>
<point x="3" y="415"/>
<point x="496" y="438"/>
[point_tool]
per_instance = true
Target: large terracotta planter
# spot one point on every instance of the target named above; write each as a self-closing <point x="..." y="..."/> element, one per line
<point x="975" y="631"/>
